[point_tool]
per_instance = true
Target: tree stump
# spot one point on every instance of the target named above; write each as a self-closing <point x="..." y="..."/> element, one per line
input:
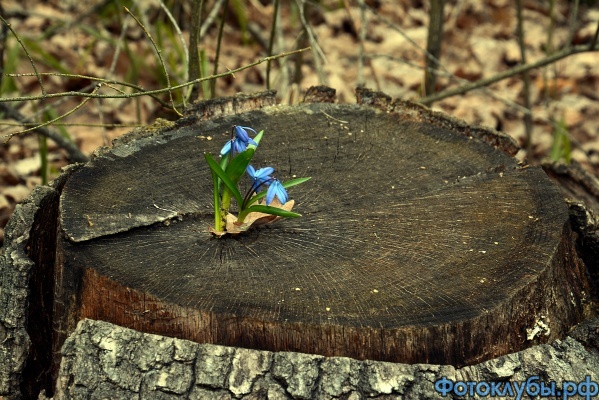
<point x="422" y="241"/>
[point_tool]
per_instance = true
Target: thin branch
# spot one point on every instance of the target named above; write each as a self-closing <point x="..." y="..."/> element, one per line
<point x="284" y="76"/>
<point x="159" y="53"/>
<point x="525" y="75"/>
<point x="157" y="91"/>
<point x="506" y="74"/>
<point x="73" y="151"/>
<point x="57" y="118"/>
<point x="319" y="56"/>
<point x="107" y="82"/>
<point x="39" y="78"/>
<point x="177" y="29"/>
<point x="549" y="47"/>
<point x="362" y="39"/>
<point x="3" y="37"/>
<point x="209" y="20"/>
<point x="487" y="91"/>
<point x="119" y="43"/>
<point x="271" y="43"/>
<point x="194" y="53"/>
<point x="90" y="124"/>
<point x="573" y="22"/>
<point x="595" y="37"/>
<point x="218" y="43"/>
<point x="391" y="25"/>
<point x="433" y="44"/>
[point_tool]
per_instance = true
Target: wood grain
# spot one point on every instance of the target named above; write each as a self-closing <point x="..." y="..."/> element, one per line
<point x="417" y="243"/>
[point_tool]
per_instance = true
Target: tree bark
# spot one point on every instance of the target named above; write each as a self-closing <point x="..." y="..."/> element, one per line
<point x="101" y="360"/>
<point x="421" y="241"/>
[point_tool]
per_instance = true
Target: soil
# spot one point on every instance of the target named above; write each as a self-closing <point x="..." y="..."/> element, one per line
<point x="479" y="41"/>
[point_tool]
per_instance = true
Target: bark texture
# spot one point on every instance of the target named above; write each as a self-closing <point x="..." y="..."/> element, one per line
<point x="101" y="360"/>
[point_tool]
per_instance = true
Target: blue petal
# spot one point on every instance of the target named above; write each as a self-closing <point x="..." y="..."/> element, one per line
<point x="241" y="134"/>
<point x="263" y="173"/>
<point x="248" y="128"/>
<point x="270" y="194"/>
<point x="251" y="171"/>
<point x="226" y="148"/>
<point x="276" y="189"/>
<point x="239" y="146"/>
<point x="281" y="192"/>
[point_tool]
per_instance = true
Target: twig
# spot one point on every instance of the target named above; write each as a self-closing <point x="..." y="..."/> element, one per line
<point x="177" y="29"/>
<point x="88" y="124"/>
<point x="572" y="23"/>
<point x="107" y="82"/>
<point x="271" y="43"/>
<point x="221" y="28"/>
<point x="156" y="91"/>
<point x="506" y="74"/>
<point x="319" y="56"/>
<point x="159" y="53"/>
<point x="284" y="68"/>
<point x="77" y="107"/>
<point x="194" y="53"/>
<point x="39" y="78"/>
<point x="73" y="151"/>
<point x="362" y="39"/>
<point x="255" y="32"/>
<point x="525" y="76"/>
<point x="3" y="37"/>
<point x="433" y="44"/>
<point x="119" y="43"/>
<point x="509" y="103"/>
<point x="408" y="38"/>
<point x="548" y="47"/>
<point x="209" y="20"/>
<point x="595" y="37"/>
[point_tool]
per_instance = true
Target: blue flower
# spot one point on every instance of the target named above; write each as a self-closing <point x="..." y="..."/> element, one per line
<point x="241" y="134"/>
<point x="238" y="147"/>
<point x="261" y="176"/>
<point x="276" y="189"/>
<point x="240" y="142"/>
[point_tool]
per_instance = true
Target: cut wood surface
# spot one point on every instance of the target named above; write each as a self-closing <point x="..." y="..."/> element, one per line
<point x="422" y="241"/>
<point x="417" y="243"/>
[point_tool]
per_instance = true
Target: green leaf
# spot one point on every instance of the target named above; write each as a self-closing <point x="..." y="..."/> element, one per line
<point x="286" y="185"/>
<point x="271" y="210"/>
<point x="223" y="177"/>
<point x="295" y="181"/>
<point x="256" y="139"/>
<point x="561" y="147"/>
<point x="224" y="162"/>
<point x="239" y="163"/>
<point x="235" y="170"/>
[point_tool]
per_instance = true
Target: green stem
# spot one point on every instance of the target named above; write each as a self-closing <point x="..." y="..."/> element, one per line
<point x="218" y="221"/>
<point x="226" y="200"/>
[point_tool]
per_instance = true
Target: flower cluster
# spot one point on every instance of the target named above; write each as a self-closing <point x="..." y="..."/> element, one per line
<point x="262" y="177"/>
<point x="240" y="142"/>
<point x="236" y="156"/>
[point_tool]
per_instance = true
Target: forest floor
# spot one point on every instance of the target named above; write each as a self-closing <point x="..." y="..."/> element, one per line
<point x="87" y="38"/>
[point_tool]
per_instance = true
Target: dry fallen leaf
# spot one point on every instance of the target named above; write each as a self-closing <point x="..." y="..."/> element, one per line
<point x="234" y="227"/>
